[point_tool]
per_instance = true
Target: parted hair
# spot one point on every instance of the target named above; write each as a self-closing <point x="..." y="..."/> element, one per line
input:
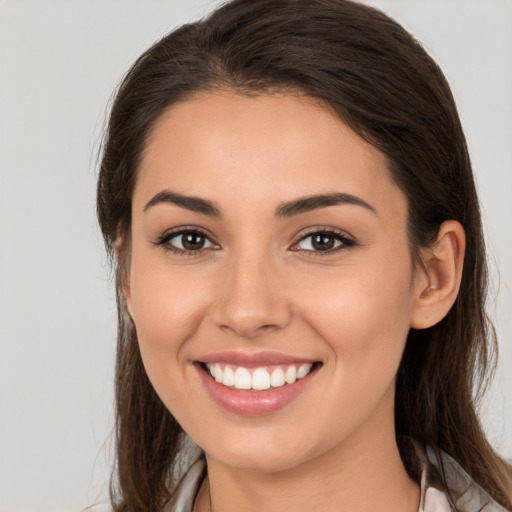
<point x="379" y="80"/>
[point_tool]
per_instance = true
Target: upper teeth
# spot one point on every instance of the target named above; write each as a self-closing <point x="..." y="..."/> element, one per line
<point x="260" y="378"/>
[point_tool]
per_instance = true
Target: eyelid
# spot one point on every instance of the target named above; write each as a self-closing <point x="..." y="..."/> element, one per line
<point x="162" y="241"/>
<point x="347" y="240"/>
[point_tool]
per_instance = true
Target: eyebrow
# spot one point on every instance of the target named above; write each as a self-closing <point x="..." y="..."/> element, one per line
<point x="284" y="210"/>
<point x="315" y="202"/>
<point x="192" y="203"/>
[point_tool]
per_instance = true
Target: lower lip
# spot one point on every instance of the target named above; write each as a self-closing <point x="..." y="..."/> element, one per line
<point x="253" y="403"/>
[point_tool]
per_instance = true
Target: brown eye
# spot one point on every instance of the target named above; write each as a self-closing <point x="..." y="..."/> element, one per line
<point x="324" y="241"/>
<point x="186" y="241"/>
<point x="192" y="241"/>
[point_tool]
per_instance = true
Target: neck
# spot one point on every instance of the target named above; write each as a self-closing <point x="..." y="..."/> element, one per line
<point x="364" y="473"/>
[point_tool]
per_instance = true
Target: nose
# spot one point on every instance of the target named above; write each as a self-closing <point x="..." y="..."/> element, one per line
<point x="250" y="299"/>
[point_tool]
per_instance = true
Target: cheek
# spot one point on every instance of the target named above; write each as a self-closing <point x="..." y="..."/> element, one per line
<point x="168" y="305"/>
<point x="364" y="317"/>
<point x="364" y="323"/>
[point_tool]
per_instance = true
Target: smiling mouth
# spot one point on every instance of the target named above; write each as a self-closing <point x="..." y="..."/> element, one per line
<point x="259" y="378"/>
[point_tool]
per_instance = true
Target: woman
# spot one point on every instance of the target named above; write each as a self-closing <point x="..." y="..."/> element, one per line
<point x="301" y="277"/>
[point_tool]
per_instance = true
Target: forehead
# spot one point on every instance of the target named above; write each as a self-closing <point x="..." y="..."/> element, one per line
<point x="267" y="148"/>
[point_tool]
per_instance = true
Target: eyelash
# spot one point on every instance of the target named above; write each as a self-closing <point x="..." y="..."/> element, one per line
<point x="346" y="241"/>
<point x="164" y="239"/>
<point x="339" y="236"/>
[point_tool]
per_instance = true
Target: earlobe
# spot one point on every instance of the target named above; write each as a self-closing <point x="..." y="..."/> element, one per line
<point x="127" y="296"/>
<point x="122" y="259"/>
<point x="439" y="284"/>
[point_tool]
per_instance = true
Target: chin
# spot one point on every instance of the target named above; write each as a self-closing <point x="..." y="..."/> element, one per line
<point x="257" y="460"/>
<point x="260" y="452"/>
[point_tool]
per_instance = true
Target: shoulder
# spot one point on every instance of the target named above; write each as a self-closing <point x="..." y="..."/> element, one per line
<point x="467" y="494"/>
<point x="455" y="485"/>
<point x="186" y="492"/>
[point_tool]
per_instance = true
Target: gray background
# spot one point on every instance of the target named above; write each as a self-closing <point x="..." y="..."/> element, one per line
<point x="59" y="63"/>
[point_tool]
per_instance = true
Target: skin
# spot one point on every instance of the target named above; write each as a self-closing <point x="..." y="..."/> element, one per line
<point x="250" y="289"/>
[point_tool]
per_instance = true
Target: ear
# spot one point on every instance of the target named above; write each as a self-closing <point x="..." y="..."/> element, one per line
<point x="122" y="254"/>
<point x="438" y="282"/>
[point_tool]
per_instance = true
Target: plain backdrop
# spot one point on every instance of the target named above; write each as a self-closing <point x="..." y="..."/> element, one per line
<point x="59" y="63"/>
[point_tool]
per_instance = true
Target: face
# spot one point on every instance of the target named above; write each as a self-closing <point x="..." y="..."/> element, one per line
<point x="269" y="248"/>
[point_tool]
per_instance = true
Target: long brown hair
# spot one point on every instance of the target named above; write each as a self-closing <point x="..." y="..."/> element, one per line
<point x="364" y="66"/>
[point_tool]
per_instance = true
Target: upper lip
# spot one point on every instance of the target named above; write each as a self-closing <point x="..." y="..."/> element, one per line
<point x="255" y="360"/>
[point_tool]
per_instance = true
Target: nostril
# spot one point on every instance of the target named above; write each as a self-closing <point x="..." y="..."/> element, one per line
<point x="247" y="329"/>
